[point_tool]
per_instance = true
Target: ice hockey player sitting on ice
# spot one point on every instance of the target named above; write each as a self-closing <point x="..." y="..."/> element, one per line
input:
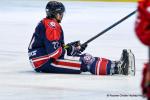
<point x="49" y="54"/>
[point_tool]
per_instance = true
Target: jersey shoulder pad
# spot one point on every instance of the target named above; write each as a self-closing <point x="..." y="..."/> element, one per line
<point x="53" y="29"/>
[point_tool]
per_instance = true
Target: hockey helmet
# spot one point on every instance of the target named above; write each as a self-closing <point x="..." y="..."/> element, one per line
<point x="53" y="8"/>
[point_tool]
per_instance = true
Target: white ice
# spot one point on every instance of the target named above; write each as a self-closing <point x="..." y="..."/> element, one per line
<point x="82" y="20"/>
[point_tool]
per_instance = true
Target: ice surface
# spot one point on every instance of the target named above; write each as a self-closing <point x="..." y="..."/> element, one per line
<point x="82" y="20"/>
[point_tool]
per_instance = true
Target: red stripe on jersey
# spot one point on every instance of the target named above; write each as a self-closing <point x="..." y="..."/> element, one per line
<point x="57" y="53"/>
<point x="103" y="67"/>
<point x="40" y="58"/>
<point x="39" y="63"/>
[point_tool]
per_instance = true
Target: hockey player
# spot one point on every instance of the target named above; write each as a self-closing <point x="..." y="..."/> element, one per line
<point x="48" y="52"/>
<point x="142" y="29"/>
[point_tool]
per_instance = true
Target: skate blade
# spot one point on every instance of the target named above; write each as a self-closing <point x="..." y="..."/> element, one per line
<point x="131" y="69"/>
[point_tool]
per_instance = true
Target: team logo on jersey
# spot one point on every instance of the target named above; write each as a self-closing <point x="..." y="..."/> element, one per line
<point x="52" y="24"/>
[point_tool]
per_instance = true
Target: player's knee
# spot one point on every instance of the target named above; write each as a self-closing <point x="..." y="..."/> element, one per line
<point x="86" y="60"/>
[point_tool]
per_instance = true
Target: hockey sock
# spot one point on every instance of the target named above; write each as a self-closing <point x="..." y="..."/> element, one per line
<point x="101" y="66"/>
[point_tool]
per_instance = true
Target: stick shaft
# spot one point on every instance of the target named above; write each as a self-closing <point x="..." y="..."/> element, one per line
<point x="110" y="27"/>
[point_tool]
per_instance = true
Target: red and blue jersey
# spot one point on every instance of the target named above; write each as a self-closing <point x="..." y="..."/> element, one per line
<point x="46" y="43"/>
<point x="46" y="52"/>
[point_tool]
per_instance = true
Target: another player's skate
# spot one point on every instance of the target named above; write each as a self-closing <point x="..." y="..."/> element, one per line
<point x="126" y="65"/>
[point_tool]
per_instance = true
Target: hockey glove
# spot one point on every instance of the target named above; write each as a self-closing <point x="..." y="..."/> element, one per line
<point x="73" y="48"/>
<point x="73" y="51"/>
<point x="78" y="45"/>
<point x="75" y="43"/>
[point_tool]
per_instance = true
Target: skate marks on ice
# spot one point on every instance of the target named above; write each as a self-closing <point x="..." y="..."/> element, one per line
<point x="52" y="87"/>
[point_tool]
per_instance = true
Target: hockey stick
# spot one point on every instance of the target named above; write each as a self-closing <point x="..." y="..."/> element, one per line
<point x="107" y="29"/>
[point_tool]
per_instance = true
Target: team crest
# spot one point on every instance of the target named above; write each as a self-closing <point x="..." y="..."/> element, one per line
<point x="52" y="24"/>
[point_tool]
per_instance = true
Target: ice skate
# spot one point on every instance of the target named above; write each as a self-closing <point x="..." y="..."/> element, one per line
<point x="126" y="64"/>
